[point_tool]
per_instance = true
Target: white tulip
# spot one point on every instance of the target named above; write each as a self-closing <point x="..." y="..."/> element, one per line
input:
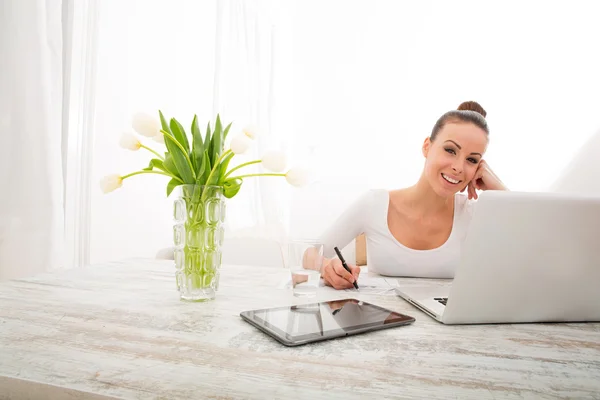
<point x="145" y="125"/>
<point x="110" y="183"/>
<point x="240" y="144"/>
<point x="251" y="131"/>
<point x="160" y="138"/>
<point x="274" y="161"/>
<point x="297" y="177"/>
<point x="130" y="142"/>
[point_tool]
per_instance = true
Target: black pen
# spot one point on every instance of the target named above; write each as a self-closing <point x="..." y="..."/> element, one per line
<point x="339" y="253"/>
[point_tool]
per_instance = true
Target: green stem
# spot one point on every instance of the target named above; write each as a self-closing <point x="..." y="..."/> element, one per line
<point x="241" y="166"/>
<point x="152" y="151"/>
<point x="213" y="171"/>
<point x="216" y="165"/>
<point x="187" y="157"/>
<point x="150" y="172"/>
<point x="249" y="175"/>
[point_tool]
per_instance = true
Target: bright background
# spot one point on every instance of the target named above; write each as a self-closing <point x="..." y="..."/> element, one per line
<point x="348" y="88"/>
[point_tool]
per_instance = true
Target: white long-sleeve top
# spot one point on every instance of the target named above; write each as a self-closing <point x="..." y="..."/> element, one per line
<point x="385" y="254"/>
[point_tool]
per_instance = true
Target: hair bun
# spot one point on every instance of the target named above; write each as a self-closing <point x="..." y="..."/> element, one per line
<point x="472" y="106"/>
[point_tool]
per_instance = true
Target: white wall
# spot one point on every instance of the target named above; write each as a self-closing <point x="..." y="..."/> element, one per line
<point x="582" y="174"/>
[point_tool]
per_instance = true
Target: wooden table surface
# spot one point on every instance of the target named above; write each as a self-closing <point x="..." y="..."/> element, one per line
<point x="119" y="330"/>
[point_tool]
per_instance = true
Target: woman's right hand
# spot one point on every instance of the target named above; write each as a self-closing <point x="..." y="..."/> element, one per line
<point x="334" y="274"/>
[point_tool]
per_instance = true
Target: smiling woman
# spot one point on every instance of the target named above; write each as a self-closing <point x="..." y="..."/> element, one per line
<point x="418" y="230"/>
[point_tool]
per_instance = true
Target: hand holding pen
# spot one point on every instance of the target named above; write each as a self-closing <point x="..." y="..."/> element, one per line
<point x="337" y="275"/>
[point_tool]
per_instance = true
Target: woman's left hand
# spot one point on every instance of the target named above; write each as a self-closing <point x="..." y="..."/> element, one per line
<point x="484" y="179"/>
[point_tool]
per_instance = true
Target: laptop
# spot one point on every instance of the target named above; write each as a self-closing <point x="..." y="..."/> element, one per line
<point x="527" y="257"/>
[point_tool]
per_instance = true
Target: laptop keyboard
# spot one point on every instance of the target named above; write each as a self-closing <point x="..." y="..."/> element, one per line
<point x="442" y="300"/>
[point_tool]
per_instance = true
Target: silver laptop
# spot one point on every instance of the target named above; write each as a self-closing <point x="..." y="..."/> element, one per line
<point x="527" y="257"/>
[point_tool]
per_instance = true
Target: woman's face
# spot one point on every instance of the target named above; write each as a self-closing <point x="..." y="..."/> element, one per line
<point x="453" y="157"/>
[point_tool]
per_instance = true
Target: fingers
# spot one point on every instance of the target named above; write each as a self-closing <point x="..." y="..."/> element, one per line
<point x="341" y="271"/>
<point x="473" y="190"/>
<point x="337" y="281"/>
<point x="479" y="176"/>
<point x="477" y="182"/>
<point x="336" y="275"/>
<point x="355" y="271"/>
<point x="332" y="279"/>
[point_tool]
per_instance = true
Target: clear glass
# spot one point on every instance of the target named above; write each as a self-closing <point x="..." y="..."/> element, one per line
<point x="304" y="259"/>
<point x="199" y="213"/>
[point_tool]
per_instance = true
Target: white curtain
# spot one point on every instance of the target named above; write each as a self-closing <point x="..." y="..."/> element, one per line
<point x="151" y="55"/>
<point x="31" y="175"/>
<point x="249" y="87"/>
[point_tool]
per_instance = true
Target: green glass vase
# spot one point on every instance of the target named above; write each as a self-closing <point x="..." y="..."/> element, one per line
<point x="199" y="214"/>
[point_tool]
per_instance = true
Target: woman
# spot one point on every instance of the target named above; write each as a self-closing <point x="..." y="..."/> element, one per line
<point x="418" y="231"/>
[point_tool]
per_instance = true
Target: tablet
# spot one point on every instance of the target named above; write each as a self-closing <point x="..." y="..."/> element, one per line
<point x="297" y="325"/>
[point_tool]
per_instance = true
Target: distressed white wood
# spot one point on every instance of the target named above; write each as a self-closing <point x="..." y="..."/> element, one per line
<point x="119" y="330"/>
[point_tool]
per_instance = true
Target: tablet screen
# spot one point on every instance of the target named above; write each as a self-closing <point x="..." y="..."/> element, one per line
<point x="326" y="319"/>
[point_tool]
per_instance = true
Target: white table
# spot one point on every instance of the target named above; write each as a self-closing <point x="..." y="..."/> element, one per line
<point x="119" y="330"/>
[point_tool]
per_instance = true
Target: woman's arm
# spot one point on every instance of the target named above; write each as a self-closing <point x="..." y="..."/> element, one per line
<point x="346" y="228"/>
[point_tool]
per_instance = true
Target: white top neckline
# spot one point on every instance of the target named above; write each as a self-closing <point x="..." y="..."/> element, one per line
<point x="440" y="247"/>
<point x="385" y="254"/>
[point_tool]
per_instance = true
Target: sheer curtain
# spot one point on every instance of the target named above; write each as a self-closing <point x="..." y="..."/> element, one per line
<point x="31" y="174"/>
<point x="251" y="67"/>
<point x="151" y="55"/>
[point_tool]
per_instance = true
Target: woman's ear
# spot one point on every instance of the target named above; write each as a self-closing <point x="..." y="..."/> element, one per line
<point x="426" y="146"/>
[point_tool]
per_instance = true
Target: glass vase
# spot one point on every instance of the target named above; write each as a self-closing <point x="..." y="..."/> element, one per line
<point x="199" y="213"/>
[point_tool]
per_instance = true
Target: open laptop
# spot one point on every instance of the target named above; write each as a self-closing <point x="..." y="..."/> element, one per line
<point x="527" y="257"/>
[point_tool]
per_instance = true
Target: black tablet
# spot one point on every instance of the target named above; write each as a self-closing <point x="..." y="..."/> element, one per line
<point x="297" y="325"/>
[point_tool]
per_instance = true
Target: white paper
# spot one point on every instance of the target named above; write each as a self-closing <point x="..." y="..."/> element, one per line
<point x="375" y="284"/>
<point x="367" y="283"/>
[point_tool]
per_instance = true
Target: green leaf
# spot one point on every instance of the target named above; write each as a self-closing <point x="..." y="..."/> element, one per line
<point x="179" y="134"/>
<point x="226" y="131"/>
<point x="163" y="122"/>
<point x="217" y="140"/>
<point x="155" y="163"/>
<point x="180" y="160"/>
<point x="204" y="170"/>
<point x="224" y="165"/>
<point x="208" y="141"/>
<point x="171" y="185"/>
<point x="170" y="166"/>
<point x="232" y="187"/>
<point x="197" y="146"/>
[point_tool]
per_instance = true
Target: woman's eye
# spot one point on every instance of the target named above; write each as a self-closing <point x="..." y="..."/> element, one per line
<point x="451" y="151"/>
<point x="472" y="160"/>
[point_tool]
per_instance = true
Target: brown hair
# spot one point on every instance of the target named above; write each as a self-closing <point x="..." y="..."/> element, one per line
<point x="467" y="112"/>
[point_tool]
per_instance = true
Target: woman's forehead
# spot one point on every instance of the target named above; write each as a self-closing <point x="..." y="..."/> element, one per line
<point x="464" y="134"/>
